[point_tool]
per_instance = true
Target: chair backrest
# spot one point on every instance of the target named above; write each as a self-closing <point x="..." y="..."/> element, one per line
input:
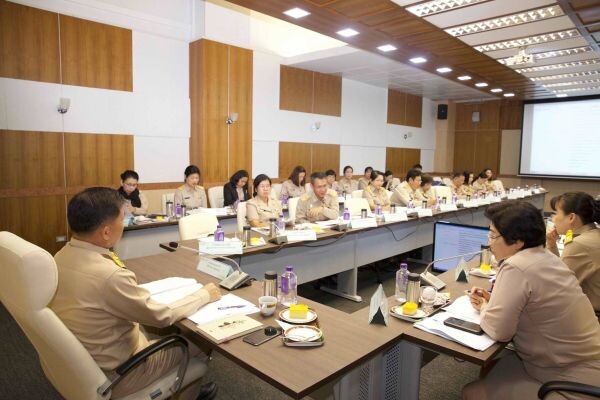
<point x="498" y="185"/>
<point x="357" y="194"/>
<point x="215" y="197"/>
<point x="275" y="191"/>
<point x="355" y="205"/>
<point x="195" y="225"/>
<point x="308" y="187"/>
<point x="167" y="197"/>
<point x="447" y="181"/>
<point x="28" y="284"/>
<point x="443" y="191"/>
<point x="292" y="204"/>
<point x="389" y="193"/>
<point x="437" y="178"/>
<point x="241" y="216"/>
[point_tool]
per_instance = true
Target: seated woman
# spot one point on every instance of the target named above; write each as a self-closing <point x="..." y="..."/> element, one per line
<point x="488" y="173"/>
<point x="236" y="189"/>
<point x="262" y="207"/>
<point x="390" y="183"/>
<point x="363" y="181"/>
<point x="482" y="184"/>
<point x="137" y="203"/>
<point x="469" y="177"/>
<point x="426" y="189"/>
<point x="538" y="304"/>
<point x="347" y="184"/>
<point x="294" y="186"/>
<point x="375" y="194"/>
<point x="190" y="194"/>
<point x="577" y="212"/>
<point x="331" y="183"/>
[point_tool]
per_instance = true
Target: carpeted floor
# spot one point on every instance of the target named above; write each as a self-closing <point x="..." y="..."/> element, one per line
<point x="442" y="377"/>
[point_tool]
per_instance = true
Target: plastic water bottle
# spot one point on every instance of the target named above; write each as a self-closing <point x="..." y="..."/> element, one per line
<point x="378" y="211"/>
<point x="219" y="234"/>
<point x="289" y="287"/>
<point x="410" y="204"/>
<point x="281" y="223"/>
<point x="346" y="214"/>
<point x="454" y="199"/>
<point x="178" y="211"/>
<point x="284" y="199"/>
<point x="401" y="283"/>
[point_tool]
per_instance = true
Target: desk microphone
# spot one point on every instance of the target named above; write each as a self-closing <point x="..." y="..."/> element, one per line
<point x="175" y="245"/>
<point x="433" y="280"/>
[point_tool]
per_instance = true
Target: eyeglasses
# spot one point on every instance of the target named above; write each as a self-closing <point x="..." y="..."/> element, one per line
<point x="491" y="236"/>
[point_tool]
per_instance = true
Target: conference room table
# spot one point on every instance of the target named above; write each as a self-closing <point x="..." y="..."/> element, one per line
<point x="390" y="355"/>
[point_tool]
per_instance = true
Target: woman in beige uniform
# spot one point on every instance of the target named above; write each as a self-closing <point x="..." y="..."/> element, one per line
<point x="262" y="207"/>
<point x="538" y="304"/>
<point x="425" y="191"/>
<point x="190" y="194"/>
<point x="346" y="183"/>
<point x="375" y="194"/>
<point x="137" y="203"/>
<point x="482" y="184"/>
<point x="578" y="212"/>
<point x="363" y="181"/>
<point x="331" y="183"/>
<point x="294" y="186"/>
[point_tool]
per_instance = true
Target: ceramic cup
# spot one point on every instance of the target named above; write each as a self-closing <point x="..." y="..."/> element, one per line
<point x="267" y="305"/>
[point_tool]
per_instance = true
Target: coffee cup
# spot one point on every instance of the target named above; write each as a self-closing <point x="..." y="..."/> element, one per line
<point x="267" y="305"/>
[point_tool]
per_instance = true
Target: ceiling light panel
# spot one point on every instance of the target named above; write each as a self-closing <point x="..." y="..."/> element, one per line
<point x="296" y="13"/>
<point x="551" y="67"/>
<point x="574" y="83"/>
<point x="437" y="6"/>
<point x="418" y="60"/>
<point x="580" y="89"/>
<point x="562" y="95"/>
<point x="496" y="90"/>
<point x="348" y="32"/>
<point x="565" y="76"/>
<point x="481" y="84"/>
<point x="554" y="53"/>
<point x="506" y="21"/>
<point x="386" y="48"/>
<point x="528" y="41"/>
<point x="444" y="70"/>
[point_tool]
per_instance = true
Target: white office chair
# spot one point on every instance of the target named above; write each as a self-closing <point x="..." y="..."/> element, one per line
<point x="355" y="206"/>
<point x="241" y="216"/>
<point x="308" y="187"/>
<point x="292" y="204"/>
<point x="447" y="181"/>
<point x="167" y="197"/>
<point x="498" y="185"/>
<point x="215" y="197"/>
<point x="443" y="191"/>
<point x="28" y="284"/>
<point x="357" y="194"/>
<point x="196" y="225"/>
<point x="389" y="193"/>
<point x="437" y="179"/>
<point x="275" y="191"/>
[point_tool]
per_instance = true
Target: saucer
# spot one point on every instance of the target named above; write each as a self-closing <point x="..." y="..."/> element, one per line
<point x="310" y="317"/>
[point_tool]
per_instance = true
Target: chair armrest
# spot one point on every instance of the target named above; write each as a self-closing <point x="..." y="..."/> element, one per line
<point x="565" y="386"/>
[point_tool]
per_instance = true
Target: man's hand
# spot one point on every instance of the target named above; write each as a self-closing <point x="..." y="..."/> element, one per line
<point x="213" y="292"/>
<point x="314" y="212"/>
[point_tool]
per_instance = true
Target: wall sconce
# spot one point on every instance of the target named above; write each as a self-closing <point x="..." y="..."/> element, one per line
<point x="233" y="117"/>
<point x="315" y="126"/>
<point x="63" y="105"/>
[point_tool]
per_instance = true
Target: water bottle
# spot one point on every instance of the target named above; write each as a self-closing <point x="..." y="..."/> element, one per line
<point x="410" y="204"/>
<point x="378" y="212"/>
<point x="219" y="234"/>
<point x="289" y="287"/>
<point x="346" y="214"/>
<point x="401" y="283"/>
<point x="280" y="223"/>
<point x="178" y="211"/>
<point x="439" y="200"/>
<point x="454" y="199"/>
<point x="284" y="199"/>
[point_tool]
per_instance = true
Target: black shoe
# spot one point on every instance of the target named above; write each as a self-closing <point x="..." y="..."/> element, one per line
<point x="208" y="391"/>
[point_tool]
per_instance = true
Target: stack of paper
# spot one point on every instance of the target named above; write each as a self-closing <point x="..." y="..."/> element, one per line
<point x="170" y="290"/>
<point x="230" y="304"/>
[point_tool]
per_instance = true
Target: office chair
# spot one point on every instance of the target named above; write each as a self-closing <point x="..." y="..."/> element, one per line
<point x="275" y="191"/>
<point x="498" y="185"/>
<point x="215" y="197"/>
<point x="357" y="194"/>
<point x="196" y="225"/>
<point x="241" y="216"/>
<point x="292" y="204"/>
<point x="28" y="284"/>
<point x="565" y="386"/>
<point x="355" y="205"/>
<point x="443" y="191"/>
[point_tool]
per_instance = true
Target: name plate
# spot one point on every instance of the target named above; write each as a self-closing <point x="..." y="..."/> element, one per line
<point x="214" y="268"/>
<point x="495" y="200"/>
<point x="513" y="196"/>
<point x="341" y="199"/>
<point x="448" y="207"/>
<point x="484" y="202"/>
<point x="471" y="204"/>
<point x="228" y="246"/>
<point x="301" y="235"/>
<point x="398" y="216"/>
<point x="363" y="223"/>
<point x="527" y="193"/>
<point x="535" y="191"/>
<point x="425" y="212"/>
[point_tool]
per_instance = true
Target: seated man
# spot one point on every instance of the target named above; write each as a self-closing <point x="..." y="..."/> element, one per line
<point x="99" y="299"/>
<point x="319" y="205"/>
<point x="408" y="190"/>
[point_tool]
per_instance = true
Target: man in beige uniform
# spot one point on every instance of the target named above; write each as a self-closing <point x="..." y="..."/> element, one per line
<point x="321" y="204"/>
<point x="482" y="184"/>
<point x="407" y="191"/>
<point x="99" y="299"/>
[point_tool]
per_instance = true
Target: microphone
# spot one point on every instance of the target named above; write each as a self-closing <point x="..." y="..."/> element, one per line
<point x="433" y="280"/>
<point x="175" y="245"/>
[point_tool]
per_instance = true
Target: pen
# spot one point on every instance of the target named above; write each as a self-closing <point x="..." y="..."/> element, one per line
<point x="228" y="307"/>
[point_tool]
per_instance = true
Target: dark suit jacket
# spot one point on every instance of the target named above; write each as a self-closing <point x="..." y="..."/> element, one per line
<point x="230" y="195"/>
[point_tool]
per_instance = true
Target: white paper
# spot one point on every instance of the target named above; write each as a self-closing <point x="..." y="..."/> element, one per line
<point x="363" y="223"/>
<point x="262" y="231"/>
<point x="424" y="212"/>
<point x="379" y="302"/>
<point x="220" y="212"/>
<point x="170" y="290"/>
<point x="435" y="325"/>
<point x="301" y="235"/>
<point x="448" y="207"/>
<point x="461" y="308"/>
<point x="210" y="312"/>
<point x="225" y="247"/>
<point x="398" y="216"/>
<point x="330" y="222"/>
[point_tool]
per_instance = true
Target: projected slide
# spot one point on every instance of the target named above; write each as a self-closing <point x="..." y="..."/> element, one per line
<point x="561" y="139"/>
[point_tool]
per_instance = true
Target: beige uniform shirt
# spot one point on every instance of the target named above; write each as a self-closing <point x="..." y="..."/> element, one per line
<point x="260" y="212"/>
<point x="143" y="208"/>
<point x="391" y="185"/>
<point x="486" y="186"/>
<point x="404" y="193"/>
<point x="191" y="198"/>
<point x="538" y="303"/>
<point x="288" y="188"/>
<point x="428" y="194"/>
<point x="582" y="256"/>
<point x="363" y="183"/>
<point x="348" y="185"/>
<point x="329" y="205"/>
<point x="461" y="191"/>
<point x="336" y="188"/>
<point x="102" y="304"/>
<point x="376" y="197"/>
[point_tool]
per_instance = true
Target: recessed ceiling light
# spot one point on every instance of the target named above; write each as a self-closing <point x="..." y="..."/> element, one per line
<point x="443" y="70"/>
<point x="564" y="76"/>
<point x="528" y="41"/>
<point x="574" y="83"/>
<point x="296" y="13"/>
<point x="561" y="95"/>
<point x="387" y="47"/>
<point x="418" y="60"/>
<point x="348" y="32"/>
<point x="436" y="6"/>
<point x="496" y="90"/>
<point x="464" y="78"/>
<point x="509" y="94"/>
<point x="481" y="84"/>
<point x="579" y="89"/>
<point x="555" y="53"/>
<point x="551" y="67"/>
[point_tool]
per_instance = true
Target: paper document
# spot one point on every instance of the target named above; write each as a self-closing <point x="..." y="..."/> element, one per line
<point x="230" y="304"/>
<point x="170" y="290"/>
<point x="327" y="223"/>
<point x="435" y="325"/>
<point x="215" y="211"/>
<point x="461" y="308"/>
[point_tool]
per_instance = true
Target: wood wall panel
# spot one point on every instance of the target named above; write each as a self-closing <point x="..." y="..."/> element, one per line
<point x="396" y="107"/>
<point x="324" y="157"/>
<point x="36" y="219"/>
<point x="414" y="110"/>
<point x="489" y="116"/>
<point x="411" y="157"/>
<point x="464" y="150"/>
<point x="327" y="94"/>
<point x="28" y="43"/>
<point x="95" y="55"/>
<point x="293" y="154"/>
<point x="31" y="160"/>
<point x="296" y="89"/>
<point x="487" y="151"/>
<point x="511" y="114"/>
<point x="400" y="160"/>
<point x="96" y="159"/>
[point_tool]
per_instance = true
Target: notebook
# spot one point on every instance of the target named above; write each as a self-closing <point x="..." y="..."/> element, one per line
<point x="228" y="328"/>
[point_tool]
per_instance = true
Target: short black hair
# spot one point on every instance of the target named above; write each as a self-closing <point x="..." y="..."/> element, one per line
<point x="388" y="173"/>
<point x="257" y="181"/>
<point x="348" y="167"/>
<point x="242" y="173"/>
<point x="129" y="174"/>
<point x="190" y="170"/>
<point x="330" y="172"/>
<point x="482" y="175"/>
<point x="456" y="175"/>
<point x="93" y="207"/>
<point x="417" y="166"/>
<point x="425" y="179"/>
<point x="375" y="173"/>
<point x="518" y="220"/>
<point x="368" y="169"/>
<point x="467" y="174"/>
<point x="317" y="175"/>
<point x="579" y="203"/>
<point x="413" y="173"/>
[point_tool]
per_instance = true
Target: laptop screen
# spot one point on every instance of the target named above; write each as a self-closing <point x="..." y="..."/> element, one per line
<point x="451" y="239"/>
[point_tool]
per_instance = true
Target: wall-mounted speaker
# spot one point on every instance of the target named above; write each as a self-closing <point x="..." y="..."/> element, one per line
<point x="442" y="112"/>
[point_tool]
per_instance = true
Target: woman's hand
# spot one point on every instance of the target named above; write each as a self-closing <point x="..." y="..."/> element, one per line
<point x="479" y="297"/>
<point x="551" y="238"/>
